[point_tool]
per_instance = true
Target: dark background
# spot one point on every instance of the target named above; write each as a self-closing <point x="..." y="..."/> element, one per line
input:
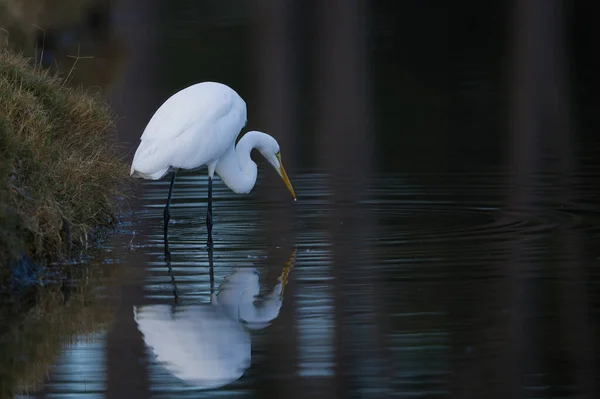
<point x="445" y="155"/>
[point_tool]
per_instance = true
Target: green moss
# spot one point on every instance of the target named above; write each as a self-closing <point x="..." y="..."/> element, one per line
<point x="57" y="162"/>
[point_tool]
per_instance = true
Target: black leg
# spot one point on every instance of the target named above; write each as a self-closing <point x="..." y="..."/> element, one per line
<point x="209" y="243"/>
<point x="209" y="223"/>
<point x="175" y="292"/>
<point x="167" y="216"/>
<point x="211" y="271"/>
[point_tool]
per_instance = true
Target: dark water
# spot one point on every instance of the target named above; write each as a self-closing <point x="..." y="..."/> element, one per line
<point x="445" y="241"/>
<point x="444" y="291"/>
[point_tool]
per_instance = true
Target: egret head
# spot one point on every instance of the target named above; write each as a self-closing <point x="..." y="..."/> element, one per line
<point x="270" y="150"/>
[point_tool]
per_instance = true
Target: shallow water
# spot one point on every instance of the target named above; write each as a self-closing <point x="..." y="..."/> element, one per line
<point x="426" y="256"/>
<point x="441" y="290"/>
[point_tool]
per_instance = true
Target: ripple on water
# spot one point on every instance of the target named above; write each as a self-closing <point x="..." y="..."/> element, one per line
<point x="419" y="262"/>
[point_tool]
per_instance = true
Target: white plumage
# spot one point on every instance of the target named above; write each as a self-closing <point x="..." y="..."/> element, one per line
<point x="198" y="127"/>
<point x="208" y="346"/>
<point x="194" y="127"/>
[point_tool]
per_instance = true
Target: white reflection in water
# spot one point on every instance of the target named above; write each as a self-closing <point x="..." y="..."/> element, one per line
<point x="208" y="346"/>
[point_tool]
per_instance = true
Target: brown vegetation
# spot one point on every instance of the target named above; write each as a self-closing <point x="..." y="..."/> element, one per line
<point x="58" y="164"/>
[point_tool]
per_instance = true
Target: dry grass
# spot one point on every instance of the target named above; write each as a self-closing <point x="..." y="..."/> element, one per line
<point x="57" y="162"/>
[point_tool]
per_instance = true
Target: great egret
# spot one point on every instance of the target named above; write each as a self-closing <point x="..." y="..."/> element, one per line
<point x="198" y="126"/>
<point x="208" y="345"/>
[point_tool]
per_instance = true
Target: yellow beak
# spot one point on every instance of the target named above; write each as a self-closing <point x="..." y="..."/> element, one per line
<point x="285" y="178"/>
<point x="286" y="271"/>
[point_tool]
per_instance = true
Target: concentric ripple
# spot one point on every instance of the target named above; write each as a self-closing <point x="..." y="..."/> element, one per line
<point x="397" y="289"/>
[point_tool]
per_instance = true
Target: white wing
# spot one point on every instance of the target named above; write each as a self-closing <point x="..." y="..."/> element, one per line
<point x="198" y="344"/>
<point x="194" y="127"/>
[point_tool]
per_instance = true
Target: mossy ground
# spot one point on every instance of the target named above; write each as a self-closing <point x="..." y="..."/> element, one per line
<point x="59" y="165"/>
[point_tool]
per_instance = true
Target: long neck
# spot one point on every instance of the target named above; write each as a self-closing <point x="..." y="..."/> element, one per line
<point x="237" y="298"/>
<point x="236" y="168"/>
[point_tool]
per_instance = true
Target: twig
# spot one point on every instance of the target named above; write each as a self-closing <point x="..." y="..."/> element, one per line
<point x="43" y="45"/>
<point x="77" y="58"/>
<point x="7" y="35"/>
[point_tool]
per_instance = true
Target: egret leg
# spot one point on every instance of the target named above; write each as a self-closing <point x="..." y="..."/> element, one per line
<point x="170" y="269"/>
<point x="211" y="271"/>
<point x="167" y="215"/>
<point x="209" y="223"/>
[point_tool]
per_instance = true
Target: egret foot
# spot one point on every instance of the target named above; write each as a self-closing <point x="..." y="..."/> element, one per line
<point x="166" y="219"/>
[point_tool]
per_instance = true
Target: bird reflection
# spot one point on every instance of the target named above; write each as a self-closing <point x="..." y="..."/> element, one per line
<point x="208" y="346"/>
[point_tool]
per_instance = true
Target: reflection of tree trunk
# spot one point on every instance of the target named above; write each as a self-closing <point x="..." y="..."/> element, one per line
<point x="526" y="135"/>
<point x="526" y="129"/>
<point x="134" y="99"/>
<point x="345" y="147"/>
<point x="345" y="144"/>
<point x="274" y="72"/>
<point x="540" y="127"/>
<point x="574" y="311"/>
<point x="273" y="113"/>
<point x="134" y="96"/>
<point x="127" y="372"/>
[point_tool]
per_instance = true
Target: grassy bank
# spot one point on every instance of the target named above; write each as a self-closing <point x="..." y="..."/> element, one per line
<point x="58" y="165"/>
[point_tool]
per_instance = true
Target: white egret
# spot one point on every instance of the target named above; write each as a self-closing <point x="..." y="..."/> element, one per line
<point x="198" y="127"/>
<point x="208" y="345"/>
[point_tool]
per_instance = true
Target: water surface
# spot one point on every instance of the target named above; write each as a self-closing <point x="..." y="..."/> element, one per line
<point x="445" y="239"/>
<point x="440" y="290"/>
